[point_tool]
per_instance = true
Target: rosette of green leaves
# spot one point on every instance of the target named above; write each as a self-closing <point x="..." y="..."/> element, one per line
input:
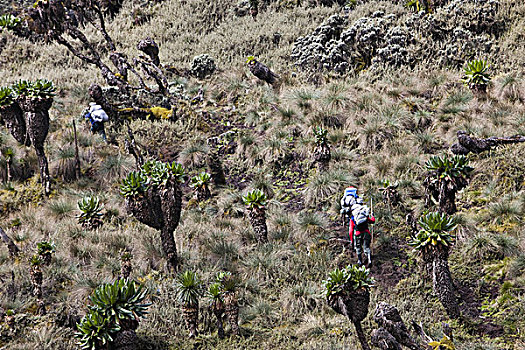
<point x="215" y="292"/>
<point x="135" y="184"/>
<point x="446" y="166"/>
<point x="354" y="277"/>
<point x="359" y="277"/>
<point x="90" y="210"/>
<point x="6" y="96"/>
<point x="40" y="88"/>
<point x="159" y="173"/>
<point x="9" y="21"/>
<point x="120" y="300"/>
<point x="255" y="199"/>
<point x="476" y="73"/>
<point x="189" y="288"/>
<point x="436" y="230"/>
<point x="95" y="331"/>
<point x="200" y="180"/>
<point x="45" y="247"/>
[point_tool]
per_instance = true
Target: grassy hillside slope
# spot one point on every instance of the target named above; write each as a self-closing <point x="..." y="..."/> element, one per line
<point x="383" y="125"/>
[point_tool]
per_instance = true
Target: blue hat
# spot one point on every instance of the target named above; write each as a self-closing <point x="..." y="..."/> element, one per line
<point x="351" y="191"/>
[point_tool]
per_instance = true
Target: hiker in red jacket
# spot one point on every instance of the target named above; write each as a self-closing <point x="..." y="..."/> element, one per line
<point x="359" y="230"/>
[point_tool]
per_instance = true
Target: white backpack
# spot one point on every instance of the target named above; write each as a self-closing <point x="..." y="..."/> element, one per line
<point x="360" y="213"/>
<point x="98" y="114"/>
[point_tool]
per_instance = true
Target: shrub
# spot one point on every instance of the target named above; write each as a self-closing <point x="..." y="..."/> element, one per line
<point x="8" y="21"/>
<point x="95" y="331"/>
<point x="255" y="199"/>
<point x="201" y="180"/>
<point x="356" y="277"/>
<point x="40" y="88"/>
<point x="120" y="300"/>
<point x="445" y="166"/>
<point x="435" y="230"/>
<point x="90" y="212"/>
<point x="476" y="74"/>
<point x="6" y="96"/>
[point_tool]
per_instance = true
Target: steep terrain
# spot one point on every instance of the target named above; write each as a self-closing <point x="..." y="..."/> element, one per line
<point x="383" y="80"/>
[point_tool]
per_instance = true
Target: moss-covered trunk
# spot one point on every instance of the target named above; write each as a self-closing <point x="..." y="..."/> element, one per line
<point x="322" y="156"/>
<point x="13" y="116"/>
<point x="442" y="283"/>
<point x="258" y="221"/>
<point x="231" y="309"/>
<point x="36" y="113"/>
<point x="191" y="316"/>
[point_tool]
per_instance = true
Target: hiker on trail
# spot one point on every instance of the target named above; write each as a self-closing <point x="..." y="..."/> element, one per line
<point x="349" y="199"/>
<point x="97" y="117"/>
<point x="361" y="217"/>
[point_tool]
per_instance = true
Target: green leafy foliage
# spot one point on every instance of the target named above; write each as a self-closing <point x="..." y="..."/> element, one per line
<point x="350" y="278"/>
<point x="90" y="211"/>
<point x="6" y="96"/>
<point x="120" y="300"/>
<point x="413" y="5"/>
<point x="255" y="199"/>
<point x="40" y="88"/>
<point x="436" y="229"/>
<point x="152" y="173"/>
<point x="228" y="282"/>
<point x="189" y="288"/>
<point x="476" y="73"/>
<point x="111" y="303"/>
<point x="444" y="344"/>
<point x="8" y="21"/>
<point x="215" y="291"/>
<point x="35" y="260"/>
<point x="45" y="247"/>
<point x="136" y="183"/>
<point x="201" y="180"/>
<point x="95" y="331"/>
<point x="250" y="59"/>
<point x="449" y="167"/>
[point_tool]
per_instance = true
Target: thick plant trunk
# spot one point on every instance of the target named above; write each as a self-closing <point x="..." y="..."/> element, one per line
<point x="361" y="335"/>
<point x="169" y="248"/>
<point x="447" y="197"/>
<point x="231" y="309"/>
<point x="389" y="320"/>
<point x="322" y="156"/>
<point x="11" y="246"/>
<point x="160" y="208"/>
<point x="171" y="203"/>
<point x="443" y="285"/>
<point x="203" y="193"/>
<point x="258" y="221"/>
<point x="44" y="169"/>
<point x="215" y="166"/>
<point x="125" y="269"/>
<point x="191" y="315"/>
<point x="218" y="310"/>
<point x="382" y="339"/>
<point x="13" y="117"/>
<point x="467" y="144"/>
<point x="354" y="306"/>
<point x="36" y="281"/>
<point x="36" y="112"/>
<point x="126" y="340"/>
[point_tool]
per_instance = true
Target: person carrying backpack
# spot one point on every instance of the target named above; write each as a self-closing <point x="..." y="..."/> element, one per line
<point x="361" y="218"/>
<point x="349" y="199"/>
<point x="97" y="117"/>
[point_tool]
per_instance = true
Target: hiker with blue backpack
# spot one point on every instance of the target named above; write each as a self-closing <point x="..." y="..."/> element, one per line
<point x="97" y="117"/>
<point x="358" y="215"/>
